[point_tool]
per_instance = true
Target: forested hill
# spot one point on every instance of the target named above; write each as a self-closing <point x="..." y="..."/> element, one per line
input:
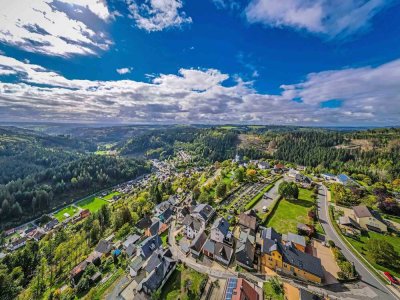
<point x="40" y="172"/>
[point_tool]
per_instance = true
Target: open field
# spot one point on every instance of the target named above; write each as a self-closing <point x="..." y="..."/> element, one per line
<point x="361" y="247"/>
<point x="175" y="288"/>
<point x="93" y="204"/>
<point x="69" y="210"/>
<point x="111" y="195"/>
<point x="290" y="212"/>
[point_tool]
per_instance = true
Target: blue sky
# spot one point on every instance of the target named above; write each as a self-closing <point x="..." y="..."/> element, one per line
<point x="212" y="61"/>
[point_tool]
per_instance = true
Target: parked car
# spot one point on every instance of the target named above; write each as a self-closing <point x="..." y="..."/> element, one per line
<point x="264" y="209"/>
<point x="391" y="278"/>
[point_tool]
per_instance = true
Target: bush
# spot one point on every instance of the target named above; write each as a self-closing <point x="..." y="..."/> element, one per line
<point x="331" y="243"/>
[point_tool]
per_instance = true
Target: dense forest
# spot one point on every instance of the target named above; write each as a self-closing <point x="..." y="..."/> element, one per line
<point x="39" y="173"/>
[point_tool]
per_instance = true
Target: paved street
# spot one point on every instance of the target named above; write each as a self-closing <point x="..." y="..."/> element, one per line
<point x="369" y="287"/>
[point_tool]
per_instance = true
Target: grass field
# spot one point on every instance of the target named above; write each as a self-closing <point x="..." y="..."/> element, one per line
<point x="93" y="204"/>
<point x="69" y="210"/>
<point x="290" y="212"/>
<point x="111" y="195"/>
<point x="360" y="246"/>
<point x="174" y="288"/>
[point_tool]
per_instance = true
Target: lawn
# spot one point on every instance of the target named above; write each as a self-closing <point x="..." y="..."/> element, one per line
<point x="71" y="210"/>
<point x="175" y="288"/>
<point x="164" y="238"/>
<point x="93" y="204"/>
<point x="360" y="246"/>
<point x="269" y="292"/>
<point x="111" y="195"/>
<point x="290" y="212"/>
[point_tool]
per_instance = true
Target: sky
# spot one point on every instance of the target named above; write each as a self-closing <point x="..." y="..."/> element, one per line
<point x="293" y="62"/>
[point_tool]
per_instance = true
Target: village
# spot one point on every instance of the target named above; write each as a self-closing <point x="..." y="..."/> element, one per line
<point x="233" y="247"/>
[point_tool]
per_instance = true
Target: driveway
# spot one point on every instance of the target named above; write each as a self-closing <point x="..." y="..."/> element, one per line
<point x="369" y="286"/>
<point x="327" y="260"/>
<point x="269" y="197"/>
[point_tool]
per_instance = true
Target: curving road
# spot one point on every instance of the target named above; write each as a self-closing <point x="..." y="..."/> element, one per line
<point x="378" y="290"/>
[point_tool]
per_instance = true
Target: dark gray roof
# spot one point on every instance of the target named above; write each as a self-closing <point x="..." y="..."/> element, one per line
<point x="224" y="251"/>
<point x="150" y="244"/>
<point x="193" y="223"/>
<point x="156" y="259"/>
<point x="155" y="227"/>
<point x="222" y="225"/>
<point x="209" y="246"/>
<point x="199" y="241"/>
<point x="301" y="260"/>
<point x="306" y="295"/>
<point x="270" y="233"/>
<point x="248" y="221"/>
<point x="204" y="210"/>
<point x="132" y="239"/>
<point x="245" y="253"/>
<point x="295" y="238"/>
<point x="166" y="215"/>
<point x="103" y="247"/>
<point x="154" y="280"/>
<point x="144" y="223"/>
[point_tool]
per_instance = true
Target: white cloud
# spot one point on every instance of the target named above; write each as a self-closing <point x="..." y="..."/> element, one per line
<point x="46" y="27"/>
<point x="369" y="95"/>
<point x="226" y="4"/>
<point x="156" y="15"/>
<point x="123" y="71"/>
<point x="333" y="18"/>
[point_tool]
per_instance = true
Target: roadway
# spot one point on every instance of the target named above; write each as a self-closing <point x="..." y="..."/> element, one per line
<point x="268" y="198"/>
<point x="368" y="281"/>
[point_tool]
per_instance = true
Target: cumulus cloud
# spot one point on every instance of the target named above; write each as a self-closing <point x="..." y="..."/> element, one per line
<point x="52" y="27"/>
<point x="332" y="18"/>
<point x="367" y="95"/>
<point x="157" y="15"/>
<point x="123" y="71"/>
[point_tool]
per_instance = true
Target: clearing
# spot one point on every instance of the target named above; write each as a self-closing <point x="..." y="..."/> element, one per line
<point x="184" y="284"/>
<point x="93" y="204"/>
<point x="290" y="212"/>
<point x="71" y="210"/>
<point x="111" y="195"/>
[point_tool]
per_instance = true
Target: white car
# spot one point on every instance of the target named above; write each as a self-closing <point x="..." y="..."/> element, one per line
<point x="264" y="209"/>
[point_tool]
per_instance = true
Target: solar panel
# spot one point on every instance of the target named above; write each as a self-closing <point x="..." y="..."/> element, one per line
<point x="232" y="282"/>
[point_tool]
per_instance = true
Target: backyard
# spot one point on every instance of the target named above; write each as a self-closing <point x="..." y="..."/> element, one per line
<point x="184" y="284"/>
<point x="71" y="210"/>
<point x="360" y="246"/>
<point x="290" y="212"/>
<point x="93" y="204"/>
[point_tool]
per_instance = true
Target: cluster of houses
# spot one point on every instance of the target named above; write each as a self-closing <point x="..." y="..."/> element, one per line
<point x="253" y="248"/>
<point x="341" y="178"/>
<point x="362" y="218"/>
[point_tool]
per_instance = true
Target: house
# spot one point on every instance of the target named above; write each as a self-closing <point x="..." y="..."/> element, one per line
<point x="218" y="251"/>
<point x="144" y="223"/>
<point x="262" y="165"/>
<point x="220" y="231"/>
<point x="135" y="265"/>
<point x="245" y="249"/>
<point x="278" y="168"/>
<point x="369" y="219"/>
<point x="104" y="247"/>
<point x="304" y="229"/>
<point x="166" y="215"/>
<point x="297" y="240"/>
<point x="204" y="212"/>
<point x="149" y="245"/>
<point x="84" y="213"/>
<point x="328" y="177"/>
<point x="95" y="278"/>
<point x="241" y="289"/>
<point x="163" y="206"/>
<point x="50" y="225"/>
<point x="197" y="244"/>
<point x="77" y="272"/>
<point x="38" y="234"/>
<point x="288" y="259"/>
<point x="304" y="180"/>
<point x="129" y="245"/>
<point x="94" y="258"/>
<point x="293" y="172"/>
<point x="248" y="221"/>
<point x="157" y="227"/>
<point x="159" y="268"/>
<point x="182" y="213"/>
<point x="193" y="226"/>
<point x="345" y="180"/>
<point x="16" y="244"/>
<point x="270" y="233"/>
